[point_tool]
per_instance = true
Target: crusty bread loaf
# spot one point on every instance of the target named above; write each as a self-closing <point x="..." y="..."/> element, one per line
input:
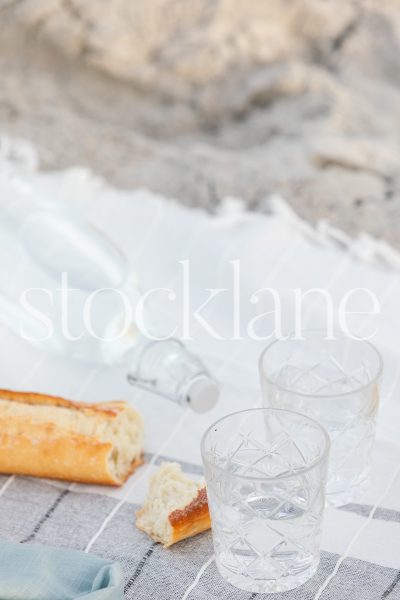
<point x="176" y="507"/>
<point x="46" y="436"/>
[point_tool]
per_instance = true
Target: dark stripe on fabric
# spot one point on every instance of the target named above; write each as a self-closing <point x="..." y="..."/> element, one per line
<point x="45" y="517"/>
<point x="391" y="587"/>
<point x="140" y="566"/>
<point x="383" y="514"/>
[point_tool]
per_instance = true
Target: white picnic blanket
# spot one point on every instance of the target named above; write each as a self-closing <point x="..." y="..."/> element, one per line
<point x="361" y="541"/>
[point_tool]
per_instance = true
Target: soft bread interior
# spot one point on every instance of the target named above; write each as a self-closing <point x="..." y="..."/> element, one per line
<point x="169" y="490"/>
<point x="123" y="430"/>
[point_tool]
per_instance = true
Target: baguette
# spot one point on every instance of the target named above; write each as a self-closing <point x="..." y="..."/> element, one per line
<point x="176" y="507"/>
<point x="47" y="436"/>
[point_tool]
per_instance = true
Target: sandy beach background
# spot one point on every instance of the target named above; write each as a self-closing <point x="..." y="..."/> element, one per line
<point x="204" y="99"/>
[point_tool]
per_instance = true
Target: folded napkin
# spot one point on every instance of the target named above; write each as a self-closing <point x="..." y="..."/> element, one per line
<point x="33" y="572"/>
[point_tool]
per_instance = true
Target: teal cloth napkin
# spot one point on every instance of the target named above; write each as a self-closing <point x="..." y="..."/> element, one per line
<point x="33" y="572"/>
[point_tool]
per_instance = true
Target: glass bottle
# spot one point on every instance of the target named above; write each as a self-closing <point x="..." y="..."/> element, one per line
<point x="62" y="254"/>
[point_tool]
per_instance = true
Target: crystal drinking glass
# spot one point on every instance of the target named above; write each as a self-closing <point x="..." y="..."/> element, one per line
<point x="334" y="381"/>
<point x="265" y="472"/>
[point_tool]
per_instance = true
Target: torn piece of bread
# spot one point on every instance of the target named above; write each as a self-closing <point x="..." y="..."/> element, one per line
<point x="47" y="436"/>
<point x="176" y="507"/>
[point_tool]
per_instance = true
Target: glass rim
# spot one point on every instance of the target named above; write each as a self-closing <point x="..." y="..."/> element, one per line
<point x="323" y="456"/>
<point x="336" y="333"/>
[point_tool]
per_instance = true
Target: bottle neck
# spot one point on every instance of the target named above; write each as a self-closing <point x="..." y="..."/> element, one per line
<point x="168" y="368"/>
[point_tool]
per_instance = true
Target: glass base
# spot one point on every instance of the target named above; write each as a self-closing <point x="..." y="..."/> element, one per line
<point x="340" y="497"/>
<point x="267" y="586"/>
